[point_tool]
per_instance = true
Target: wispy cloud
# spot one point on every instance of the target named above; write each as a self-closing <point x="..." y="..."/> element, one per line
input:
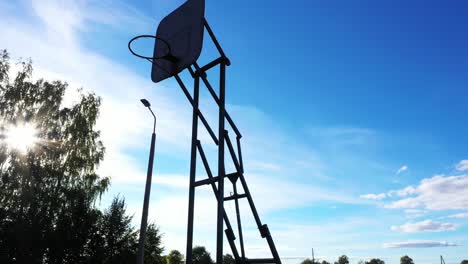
<point x="415" y="213"/>
<point x="409" y="190"/>
<point x="399" y="193"/>
<point x="424" y="226"/>
<point x="402" y="169"/>
<point x="462" y="165"/>
<point x="419" y="244"/>
<point x="372" y="196"/>
<point x="459" y="215"/>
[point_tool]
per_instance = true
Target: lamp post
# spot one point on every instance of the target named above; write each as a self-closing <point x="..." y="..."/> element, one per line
<point x="144" y="216"/>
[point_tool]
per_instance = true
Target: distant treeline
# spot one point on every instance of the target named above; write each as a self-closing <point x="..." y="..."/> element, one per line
<point x="345" y="260"/>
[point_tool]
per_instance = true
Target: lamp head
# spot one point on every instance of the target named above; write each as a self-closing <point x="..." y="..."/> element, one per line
<point x="145" y="102"/>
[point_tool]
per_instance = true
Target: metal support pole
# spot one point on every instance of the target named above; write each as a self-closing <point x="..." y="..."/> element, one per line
<point x="144" y="218"/>
<point x="215" y="41"/>
<point x="193" y="169"/>
<point x="229" y="232"/>
<point x="239" y="223"/>
<point x="221" y="172"/>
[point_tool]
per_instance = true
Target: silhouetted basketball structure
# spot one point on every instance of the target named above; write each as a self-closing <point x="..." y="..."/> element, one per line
<point x="179" y="40"/>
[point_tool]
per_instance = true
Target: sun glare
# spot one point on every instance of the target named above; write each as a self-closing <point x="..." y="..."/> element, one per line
<point x="21" y="137"/>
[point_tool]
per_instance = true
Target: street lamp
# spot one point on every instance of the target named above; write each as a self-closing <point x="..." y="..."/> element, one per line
<point x="144" y="216"/>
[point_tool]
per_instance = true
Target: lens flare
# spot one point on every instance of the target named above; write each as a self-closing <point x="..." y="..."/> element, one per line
<point x="21" y="137"/>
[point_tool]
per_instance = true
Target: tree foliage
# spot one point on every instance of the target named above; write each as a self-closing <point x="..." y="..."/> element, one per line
<point x="342" y="260"/>
<point x="201" y="256"/>
<point x="375" y="261"/>
<point x="307" y="261"/>
<point x="153" y="245"/>
<point x="464" y="262"/>
<point x="406" y="260"/>
<point x="175" y="257"/>
<point x="229" y="259"/>
<point x="310" y="261"/>
<point x="48" y="193"/>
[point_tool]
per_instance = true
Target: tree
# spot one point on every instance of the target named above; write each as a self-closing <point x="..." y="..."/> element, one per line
<point x="464" y="262"/>
<point x="228" y="259"/>
<point x="325" y="262"/>
<point x="406" y="260"/>
<point x="153" y="246"/>
<point x="118" y="237"/>
<point x="375" y="261"/>
<point x="342" y="260"/>
<point x="175" y="257"/>
<point x="47" y="191"/>
<point x="201" y="256"/>
<point x="310" y="261"/>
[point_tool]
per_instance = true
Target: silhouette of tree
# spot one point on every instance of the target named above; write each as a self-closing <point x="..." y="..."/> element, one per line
<point x="325" y="262"/>
<point x="342" y="260"/>
<point x="228" y="259"/>
<point x="375" y="261"/>
<point x="118" y="237"/>
<point x="464" y="262"/>
<point x="406" y="260"/>
<point x="310" y="261"/>
<point x="175" y="257"/>
<point x="153" y="246"/>
<point x="47" y="192"/>
<point x="201" y="256"/>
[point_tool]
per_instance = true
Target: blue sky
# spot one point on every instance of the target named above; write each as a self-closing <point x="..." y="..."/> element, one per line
<point x="353" y="116"/>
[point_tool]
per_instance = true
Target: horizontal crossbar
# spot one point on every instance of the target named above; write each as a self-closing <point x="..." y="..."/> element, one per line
<point x="201" y="71"/>
<point x="212" y="180"/>
<point x="232" y="197"/>
<point x="260" y="261"/>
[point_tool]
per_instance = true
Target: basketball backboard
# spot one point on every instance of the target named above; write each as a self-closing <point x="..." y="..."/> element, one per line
<point x="182" y="30"/>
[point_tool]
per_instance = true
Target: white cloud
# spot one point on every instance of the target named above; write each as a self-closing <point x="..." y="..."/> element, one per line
<point x="415" y="213"/>
<point x="424" y="226"/>
<point x="437" y="193"/>
<point x="372" y="196"/>
<point x="400" y="193"/>
<point x="403" y="192"/>
<point x="402" y="169"/>
<point x="419" y="244"/>
<point x="459" y="215"/>
<point x="462" y="165"/>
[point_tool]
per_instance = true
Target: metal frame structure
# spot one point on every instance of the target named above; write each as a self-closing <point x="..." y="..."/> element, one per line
<point x="222" y="140"/>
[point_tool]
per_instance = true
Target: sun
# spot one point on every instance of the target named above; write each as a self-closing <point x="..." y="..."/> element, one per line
<point x="21" y="137"/>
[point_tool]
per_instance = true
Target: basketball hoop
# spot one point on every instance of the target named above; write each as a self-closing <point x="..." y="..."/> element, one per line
<point x="167" y="56"/>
